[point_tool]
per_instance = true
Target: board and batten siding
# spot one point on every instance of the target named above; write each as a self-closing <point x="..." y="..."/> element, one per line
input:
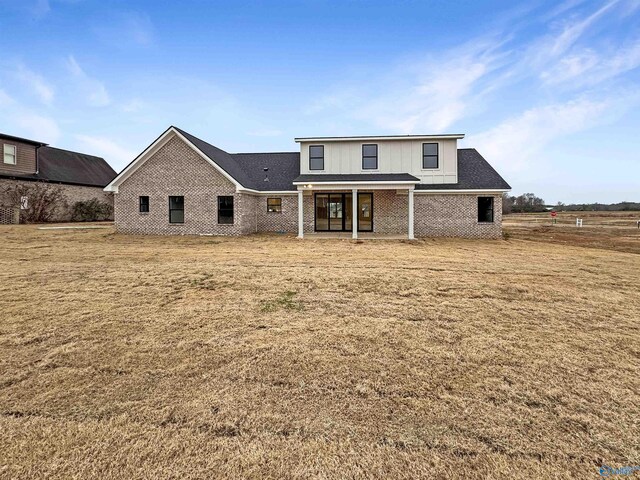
<point x="394" y="156"/>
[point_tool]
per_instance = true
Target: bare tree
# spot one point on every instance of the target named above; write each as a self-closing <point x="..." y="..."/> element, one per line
<point x="39" y="202"/>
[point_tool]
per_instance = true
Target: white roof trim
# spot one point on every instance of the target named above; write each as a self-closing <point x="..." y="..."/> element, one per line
<point x="308" y="187"/>
<point x="477" y="190"/>
<point x="364" y="138"/>
<point x="152" y="149"/>
<point x="268" y="192"/>
<point x="373" y="182"/>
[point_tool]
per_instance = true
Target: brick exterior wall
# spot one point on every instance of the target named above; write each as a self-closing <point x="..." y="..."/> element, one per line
<point x="454" y="215"/>
<point x="72" y="193"/>
<point x="176" y="170"/>
<point x="445" y="215"/>
<point x="286" y="221"/>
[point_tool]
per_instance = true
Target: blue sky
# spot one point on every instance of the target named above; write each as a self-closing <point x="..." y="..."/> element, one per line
<point x="548" y="92"/>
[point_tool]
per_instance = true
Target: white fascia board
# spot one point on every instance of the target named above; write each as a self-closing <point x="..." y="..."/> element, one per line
<point x="434" y="192"/>
<point x="267" y="192"/>
<point x="400" y="182"/>
<point x="139" y="160"/>
<point x="211" y="162"/>
<point x="364" y="138"/>
<point x="361" y="185"/>
<point x="152" y="149"/>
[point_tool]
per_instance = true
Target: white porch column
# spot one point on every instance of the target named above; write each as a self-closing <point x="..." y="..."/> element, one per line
<point x="300" y="214"/>
<point x="410" y="236"/>
<point x="354" y="213"/>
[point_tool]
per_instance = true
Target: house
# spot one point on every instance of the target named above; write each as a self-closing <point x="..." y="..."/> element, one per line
<point x="27" y="163"/>
<point x="410" y="185"/>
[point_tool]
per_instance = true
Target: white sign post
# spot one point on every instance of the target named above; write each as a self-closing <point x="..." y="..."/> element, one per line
<point x="24" y="203"/>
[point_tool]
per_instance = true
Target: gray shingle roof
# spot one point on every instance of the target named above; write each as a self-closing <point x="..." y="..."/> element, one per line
<point x="248" y="168"/>
<point x="64" y="166"/>
<point x="474" y="173"/>
<point x="357" y="177"/>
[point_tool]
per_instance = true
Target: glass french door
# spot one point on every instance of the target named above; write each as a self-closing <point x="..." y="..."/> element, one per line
<point x="333" y="212"/>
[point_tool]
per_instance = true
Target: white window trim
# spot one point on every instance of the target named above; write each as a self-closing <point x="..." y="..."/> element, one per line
<point x="15" y="154"/>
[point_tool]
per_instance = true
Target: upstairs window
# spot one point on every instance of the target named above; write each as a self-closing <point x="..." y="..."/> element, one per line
<point x="274" y="205"/>
<point x="429" y="155"/>
<point x="144" y="204"/>
<point x="225" y="210"/>
<point x="485" y="209"/>
<point x="10" y="154"/>
<point x="176" y="209"/>
<point x="370" y="157"/>
<point x="316" y="157"/>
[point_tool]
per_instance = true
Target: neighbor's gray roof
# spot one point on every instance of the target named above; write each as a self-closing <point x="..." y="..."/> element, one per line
<point x="4" y="136"/>
<point x="474" y="173"/>
<point x="64" y="166"/>
<point x="357" y="177"/>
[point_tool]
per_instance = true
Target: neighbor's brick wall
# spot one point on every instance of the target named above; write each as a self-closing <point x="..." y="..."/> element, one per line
<point x="177" y="170"/>
<point x="454" y="216"/>
<point x="72" y="193"/>
<point x="287" y="221"/>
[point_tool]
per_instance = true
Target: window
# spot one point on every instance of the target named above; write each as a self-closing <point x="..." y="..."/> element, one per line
<point x="144" y="204"/>
<point x="274" y="205"/>
<point x="429" y="155"/>
<point x="369" y="157"/>
<point x="10" y="154"/>
<point x="176" y="209"/>
<point x="485" y="209"/>
<point x="225" y="210"/>
<point x="316" y="157"/>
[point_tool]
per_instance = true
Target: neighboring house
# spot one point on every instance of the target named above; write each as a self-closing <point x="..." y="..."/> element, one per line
<point x="413" y="185"/>
<point x="79" y="176"/>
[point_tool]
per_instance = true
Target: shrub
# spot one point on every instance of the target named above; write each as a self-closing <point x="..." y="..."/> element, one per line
<point x="91" y="211"/>
<point x="44" y="201"/>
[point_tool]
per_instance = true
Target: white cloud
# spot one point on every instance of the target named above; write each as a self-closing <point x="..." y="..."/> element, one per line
<point x="36" y="83"/>
<point x="113" y="153"/>
<point x="572" y="32"/>
<point x="588" y="67"/>
<point x="124" y="29"/>
<point x="521" y="140"/>
<point x="5" y="99"/>
<point x="36" y="126"/>
<point x="266" y="132"/>
<point x="415" y="96"/>
<point x="133" y="106"/>
<point x="93" y="91"/>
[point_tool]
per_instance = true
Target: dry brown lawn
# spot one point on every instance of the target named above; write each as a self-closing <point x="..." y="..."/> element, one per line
<point x="268" y="357"/>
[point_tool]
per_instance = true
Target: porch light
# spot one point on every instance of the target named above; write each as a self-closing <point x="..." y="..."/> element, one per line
<point x="309" y="186"/>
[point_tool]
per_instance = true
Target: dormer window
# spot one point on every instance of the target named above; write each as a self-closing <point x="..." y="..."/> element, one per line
<point x="429" y="155"/>
<point x="316" y="157"/>
<point x="370" y="157"/>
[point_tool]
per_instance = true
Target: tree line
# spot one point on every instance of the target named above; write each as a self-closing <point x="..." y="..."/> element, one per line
<point x="529" y="202"/>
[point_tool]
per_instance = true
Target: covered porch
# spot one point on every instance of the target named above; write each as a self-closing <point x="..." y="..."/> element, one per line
<point x="356" y="206"/>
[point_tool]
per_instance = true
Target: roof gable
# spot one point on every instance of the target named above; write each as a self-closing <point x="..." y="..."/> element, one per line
<point x="244" y="170"/>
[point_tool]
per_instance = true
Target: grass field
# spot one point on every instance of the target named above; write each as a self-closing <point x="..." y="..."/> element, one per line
<point x="606" y="230"/>
<point x="269" y="357"/>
